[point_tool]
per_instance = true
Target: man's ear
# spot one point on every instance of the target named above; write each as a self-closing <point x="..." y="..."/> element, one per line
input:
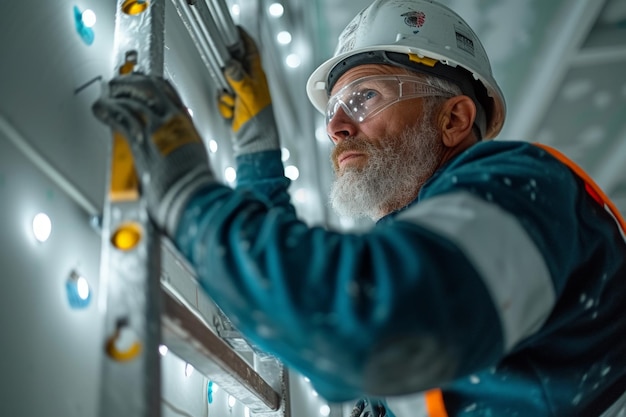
<point x="456" y="119"/>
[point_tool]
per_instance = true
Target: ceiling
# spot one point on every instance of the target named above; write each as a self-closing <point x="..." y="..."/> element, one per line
<point x="561" y="65"/>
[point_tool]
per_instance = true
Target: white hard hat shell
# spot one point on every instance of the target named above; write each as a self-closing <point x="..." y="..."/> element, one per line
<point x="420" y="27"/>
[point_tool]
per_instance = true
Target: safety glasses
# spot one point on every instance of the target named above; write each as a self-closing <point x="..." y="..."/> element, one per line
<point x="368" y="96"/>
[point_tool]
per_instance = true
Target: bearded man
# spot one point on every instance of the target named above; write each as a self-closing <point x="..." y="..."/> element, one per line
<point x="493" y="283"/>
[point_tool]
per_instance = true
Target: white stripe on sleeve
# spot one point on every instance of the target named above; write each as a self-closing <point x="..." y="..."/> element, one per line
<point x="412" y="405"/>
<point x="508" y="261"/>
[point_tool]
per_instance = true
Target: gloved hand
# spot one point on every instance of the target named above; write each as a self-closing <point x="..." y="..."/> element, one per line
<point x="170" y="158"/>
<point x="250" y="108"/>
<point x="368" y="408"/>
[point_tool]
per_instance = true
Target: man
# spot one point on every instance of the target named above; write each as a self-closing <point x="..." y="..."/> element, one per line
<point x="494" y="281"/>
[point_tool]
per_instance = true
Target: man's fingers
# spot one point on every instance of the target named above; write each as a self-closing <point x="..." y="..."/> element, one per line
<point x="227" y="99"/>
<point x="149" y="91"/>
<point x="119" y="118"/>
<point x="358" y="408"/>
<point x="226" y="105"/>
<point x="234" y="72"/>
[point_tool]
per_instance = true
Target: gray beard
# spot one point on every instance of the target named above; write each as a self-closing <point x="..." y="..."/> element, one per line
<point x="395" y="172"/>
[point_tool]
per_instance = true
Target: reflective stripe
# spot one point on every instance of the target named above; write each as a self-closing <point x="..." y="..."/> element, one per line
<point x="510" y="264"/>
<point x="591" y="187"/>
<point x="424" y="404"/>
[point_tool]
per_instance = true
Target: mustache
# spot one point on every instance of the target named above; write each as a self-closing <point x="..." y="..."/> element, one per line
<point x="349" y="144"/>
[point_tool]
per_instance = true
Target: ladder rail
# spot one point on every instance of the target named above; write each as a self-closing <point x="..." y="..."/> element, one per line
<point x="130" y="261"/>
<point x="214" y="34"/>
<point x="140" y="310"/>
<point x="213" y="56"/>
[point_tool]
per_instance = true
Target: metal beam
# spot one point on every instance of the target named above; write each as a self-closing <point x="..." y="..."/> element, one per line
<point x="189" y="338"/>
<point x="191" y="325"/>
<point x="213" y="32"/>
<point x="205" y="46"/>
<point x="130" y="288"/>
<point x="575" y="21"/>
<point x="139" y="313"/>
<point x="605" y="45"/>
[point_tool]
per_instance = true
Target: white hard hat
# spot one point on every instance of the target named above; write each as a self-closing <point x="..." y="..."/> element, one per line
<point x="421" y="35"/>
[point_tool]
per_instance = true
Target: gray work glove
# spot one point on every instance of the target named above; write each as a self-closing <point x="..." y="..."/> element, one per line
<point x="368" y="408"/>
<point x="170" y="158"/>
<point x="250" y="107"/>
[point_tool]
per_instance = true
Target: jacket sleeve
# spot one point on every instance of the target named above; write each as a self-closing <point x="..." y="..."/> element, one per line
<point x="402" y="308"/>
<point x="262" y="174"/>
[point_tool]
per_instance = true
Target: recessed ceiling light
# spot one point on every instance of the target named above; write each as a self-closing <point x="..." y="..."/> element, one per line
<point x="276" y="9"/>
<point x="283" y="37"/>
<point x="42" y="227"/>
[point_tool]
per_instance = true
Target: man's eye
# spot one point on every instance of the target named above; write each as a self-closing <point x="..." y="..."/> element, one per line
<point x="369" y="94"/>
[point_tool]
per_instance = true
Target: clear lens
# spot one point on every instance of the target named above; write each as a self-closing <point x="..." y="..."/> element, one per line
<point x="368" y="96"/>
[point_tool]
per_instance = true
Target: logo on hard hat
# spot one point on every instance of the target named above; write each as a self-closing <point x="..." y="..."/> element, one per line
<point x="414" y="19"/>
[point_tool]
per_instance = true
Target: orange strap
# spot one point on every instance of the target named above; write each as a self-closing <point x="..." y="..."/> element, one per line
<point x="590" y="186"/>
<point x="434" y="403"/>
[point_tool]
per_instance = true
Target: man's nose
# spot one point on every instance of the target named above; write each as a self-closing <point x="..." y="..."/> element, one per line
<point x="341" y="126"/>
